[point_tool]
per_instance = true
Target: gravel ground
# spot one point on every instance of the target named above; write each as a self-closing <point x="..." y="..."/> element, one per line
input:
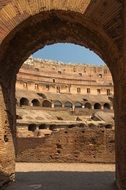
<point x="63" y="176"/>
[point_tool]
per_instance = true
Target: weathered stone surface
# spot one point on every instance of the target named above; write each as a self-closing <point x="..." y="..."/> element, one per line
<point x="6" y="144"/>
<point x="69" y="145"/>
<point x="25" y="26"/>
<point x="43" y="76"/>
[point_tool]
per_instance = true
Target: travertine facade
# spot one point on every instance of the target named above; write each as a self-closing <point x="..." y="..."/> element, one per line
<point x="26" y="26"/>
<point x="56" y="77"/>
<point x="48" y="92"/>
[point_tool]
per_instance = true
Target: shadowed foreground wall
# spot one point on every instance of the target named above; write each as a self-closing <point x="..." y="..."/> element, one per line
<point x="71" y="145"/>
<point x="29" y="25"/>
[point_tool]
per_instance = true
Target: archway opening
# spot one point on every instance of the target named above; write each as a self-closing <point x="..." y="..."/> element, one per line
<point x="68" y="105"/>
<point x="107" y="106"/>
<point x="63" y="27"/>
<point x="78" y="105"/>
<point x="97" y="106"/>
<point x="57" y="104"/>
<point x="88" y="105"/>
<point x="42" y="126"/>
<point x="46" y="104"/>
<point x="35" y="102"/>
<point x="24" y="102"/>
<point x="72" y="93"/>
<point x="32" y="127"/>
<point x="69" y="93"/>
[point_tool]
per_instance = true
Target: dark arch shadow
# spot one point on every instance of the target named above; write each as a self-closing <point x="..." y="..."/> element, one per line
<point x="55" y="180"/>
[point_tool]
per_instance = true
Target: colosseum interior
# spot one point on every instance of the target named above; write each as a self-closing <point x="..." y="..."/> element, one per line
<point x="27" y="25"/>
<point x="54" y="99"/>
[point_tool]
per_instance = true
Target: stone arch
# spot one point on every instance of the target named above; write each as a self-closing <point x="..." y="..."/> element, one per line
<point x="88" y="105"/>
<point x="58" y="23"/>
<point x="46" y="104"/>
<point x="78" y="105"/>
<point x="97" y="106"/>
<point x="57" y="104"/>
<point x="24" y="101"/>
<point x="35" y="102"/>
<point x="107" y="106"/>
<point x="42" y="126"/>
<point x="32" y="127"/>
<point x="68" y="104"/>
<point x="31" y="24"/>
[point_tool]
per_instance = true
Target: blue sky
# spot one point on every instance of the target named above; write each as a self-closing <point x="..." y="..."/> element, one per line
<point x="68" y="53"/>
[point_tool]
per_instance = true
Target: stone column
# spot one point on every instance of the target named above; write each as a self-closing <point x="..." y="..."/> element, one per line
<point x="111" y="107"/>
<point x="120" y="110"/>
<point x="102" y="107"/>
<point x="52" y="105"/>
<point x="92" y="107"/>
<point x="30" y="103"/>
<point x="73" y="107"/>
<point x="120" y="126"/>
<point x="63" y="106"/>
<point x="7" y="131"/>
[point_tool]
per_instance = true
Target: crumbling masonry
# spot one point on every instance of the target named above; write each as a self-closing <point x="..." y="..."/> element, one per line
<point x="26" y="26"/>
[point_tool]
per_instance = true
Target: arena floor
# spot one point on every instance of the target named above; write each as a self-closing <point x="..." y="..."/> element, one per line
<point x="63" y="176"/>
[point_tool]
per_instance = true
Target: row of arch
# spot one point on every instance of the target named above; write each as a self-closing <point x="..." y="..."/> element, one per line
<point x="67" y="104"/>
<point x="33" y="127"/>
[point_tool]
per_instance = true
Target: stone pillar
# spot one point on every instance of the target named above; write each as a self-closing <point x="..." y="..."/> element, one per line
<point x="7" y="131"/>
<point x="120" y="110"/>
<point x="102" y="107"/>
<point x="73" y="107"/>
<point x="52" y="105"/>
<point x="63" y="106"/>
<point x="30" y="103"/>
<point x="111" y="107"/>
<point x="120" y="127"/>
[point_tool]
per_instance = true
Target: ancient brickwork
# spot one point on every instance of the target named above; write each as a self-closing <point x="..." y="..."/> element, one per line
<point x="26" y="26"/>
<point x="69" y="145"/>
<point x="7" y="154"/>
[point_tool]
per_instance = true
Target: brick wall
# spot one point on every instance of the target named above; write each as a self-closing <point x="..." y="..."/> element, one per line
<point x="71" y="145"/>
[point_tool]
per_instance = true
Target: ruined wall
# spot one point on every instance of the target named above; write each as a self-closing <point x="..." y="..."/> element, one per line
<point x="69" y="145"/>
<point x="104" y="32"/>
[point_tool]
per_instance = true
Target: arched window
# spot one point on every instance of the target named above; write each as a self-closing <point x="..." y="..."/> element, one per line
<point x="88" y="90"/>
<point x="42" y="126"/>
<point x="36" y="86"/>
<point x="88" y="105"/>
<point x="57" y="104"/>
<point x="32" y="127"/>
<point x="25" y="85"/>
<point x="78" y="90"/>
<point x="97" y="106"/>
<point x="35" y="102"/>
<point x="47" y="104"/>
<point x="107" y="106"/>
<point x="68" y="105"/>
<point x="78" y="105"/>
<point x="24" y="102"/>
